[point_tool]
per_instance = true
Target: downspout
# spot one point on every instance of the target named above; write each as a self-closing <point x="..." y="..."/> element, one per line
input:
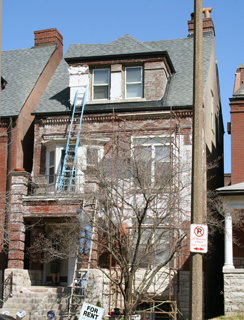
<point x="8" y="180"/>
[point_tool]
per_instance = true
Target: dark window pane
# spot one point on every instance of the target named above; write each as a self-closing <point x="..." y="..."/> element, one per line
<point x="100" y="92"/>
<point x="51" y="175"/>
<point x="101" y="76"/>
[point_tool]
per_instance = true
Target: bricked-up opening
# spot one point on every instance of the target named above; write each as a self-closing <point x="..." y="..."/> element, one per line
<point x="208" y="24"/>
<point x="48" y="37"/>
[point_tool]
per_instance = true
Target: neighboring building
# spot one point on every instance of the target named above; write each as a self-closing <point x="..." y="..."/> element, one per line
<point x="233" y="195"/>
<point x="144" y="84"/>
<point x="25" y="75"/>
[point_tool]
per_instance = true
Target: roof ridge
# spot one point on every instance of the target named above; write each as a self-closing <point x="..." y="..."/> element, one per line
<point x="132" y="38"/>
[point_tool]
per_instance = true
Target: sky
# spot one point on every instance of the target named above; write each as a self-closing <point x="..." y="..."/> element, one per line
<point x="96" y="21"/>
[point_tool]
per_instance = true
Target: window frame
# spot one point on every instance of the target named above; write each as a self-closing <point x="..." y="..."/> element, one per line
<point x="58" y="148"/>
<point x="101" y="85"/>
<point x="132" y="83"/>
<point x="153" y="150"/>
<point x="154" y="243"/>
<point x="51" y="166"/>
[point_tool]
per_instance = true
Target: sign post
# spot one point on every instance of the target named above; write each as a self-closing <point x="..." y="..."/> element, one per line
<point x="199" y="238"/>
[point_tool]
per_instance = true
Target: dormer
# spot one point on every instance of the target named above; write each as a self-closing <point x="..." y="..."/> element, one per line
<point x="124" y="70"/>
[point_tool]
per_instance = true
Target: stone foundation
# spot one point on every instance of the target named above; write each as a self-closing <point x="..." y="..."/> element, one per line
<point x="184" y="293"/>
<point x="24" y="278"/>
<point x="98" y="289"/>
<point x="233" y="291"/>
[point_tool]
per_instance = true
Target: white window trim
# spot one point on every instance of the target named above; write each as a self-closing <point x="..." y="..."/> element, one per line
<point x="95" y="85"/>
<point x="82" y="154"/>
<point x="57" y="148"/>
<point x="141" y="82"/>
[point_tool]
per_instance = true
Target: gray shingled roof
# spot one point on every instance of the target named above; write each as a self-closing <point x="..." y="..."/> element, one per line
<point x="234" y="188"/>
<point x="239" y="91"/>
<point x="180" y="92"/>
<point x="124" y="45"/>
<point x="21" y="69"/>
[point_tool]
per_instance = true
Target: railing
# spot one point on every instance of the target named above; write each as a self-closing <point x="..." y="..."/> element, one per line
<point x="7" y="287"/>
<point x="41" y="186"/>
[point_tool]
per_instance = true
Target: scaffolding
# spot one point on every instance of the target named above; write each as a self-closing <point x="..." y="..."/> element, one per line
<point x="128" y="125"/>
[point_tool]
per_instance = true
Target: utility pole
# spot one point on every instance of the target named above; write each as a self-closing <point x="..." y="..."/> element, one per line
<point x="197" y="162"/>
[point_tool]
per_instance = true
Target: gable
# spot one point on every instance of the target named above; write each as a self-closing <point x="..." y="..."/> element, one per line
<point x="21" y="69"/>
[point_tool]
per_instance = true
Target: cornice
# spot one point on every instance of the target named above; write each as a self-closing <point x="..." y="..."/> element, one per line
<point x="110" y="117"/>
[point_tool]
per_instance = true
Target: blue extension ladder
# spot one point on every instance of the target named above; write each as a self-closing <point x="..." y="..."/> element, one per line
<point x="67" y="179"/>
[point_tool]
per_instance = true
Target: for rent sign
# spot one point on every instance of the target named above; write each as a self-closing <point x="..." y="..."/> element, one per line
<point x="199" y="238"/>
<point x="89" y="312"/>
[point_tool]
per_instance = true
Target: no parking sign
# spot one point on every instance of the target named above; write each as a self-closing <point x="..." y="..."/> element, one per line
<point x="199" y="238"/>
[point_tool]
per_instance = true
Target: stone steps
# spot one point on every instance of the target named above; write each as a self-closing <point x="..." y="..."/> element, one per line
<point x="38" y="302"/>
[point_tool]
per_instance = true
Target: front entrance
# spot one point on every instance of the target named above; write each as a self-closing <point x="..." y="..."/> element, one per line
<point x="67" y="266"/>
<point x="63" y="273"/>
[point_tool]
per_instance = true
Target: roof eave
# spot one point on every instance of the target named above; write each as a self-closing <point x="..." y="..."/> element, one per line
<point x="121" y="57"/>
<point x="118" y="107"/>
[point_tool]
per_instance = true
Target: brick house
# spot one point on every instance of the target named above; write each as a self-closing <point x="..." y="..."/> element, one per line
<point x="233" y="195"/>
<point x="26" y="73"/>
<point x="145" y="85"/>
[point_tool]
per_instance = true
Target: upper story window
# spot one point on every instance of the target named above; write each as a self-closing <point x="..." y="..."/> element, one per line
<point x="152" y="156"/>
<point x="101" y="84"/>
<point x="54" y="162"/>
<point x="133" y="82"/>
<point x="51" y="166"/>
<point x="212" y="111"/>
<point x="92" y="156"/>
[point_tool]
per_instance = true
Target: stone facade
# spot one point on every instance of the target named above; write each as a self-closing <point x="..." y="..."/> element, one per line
<point x="233" y="291"/>
<point x="184" y="293"/>
<point x="24" y="278"/>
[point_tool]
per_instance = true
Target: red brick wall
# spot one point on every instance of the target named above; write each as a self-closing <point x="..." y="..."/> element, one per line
<point x="48" y="37"/>
<point x="237" y="137"/>
<point x="156" y="76"/>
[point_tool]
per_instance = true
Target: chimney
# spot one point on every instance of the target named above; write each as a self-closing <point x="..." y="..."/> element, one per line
<point x="239" y="77"/>
<point x="207" y="21"/>
<point x="49" y="37"/>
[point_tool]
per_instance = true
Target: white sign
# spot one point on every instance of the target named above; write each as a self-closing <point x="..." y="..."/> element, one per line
<point x="89" y="312"/>
<point x="199" y="238"/>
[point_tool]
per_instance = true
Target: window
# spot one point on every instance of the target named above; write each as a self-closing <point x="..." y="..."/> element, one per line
<point x="133" y="82"/>
<point x="212" y="111"/>
<point x="51" y="166"/>
<point x="101" y="84"/>
<point x="152" y="158"/>
<point x="154" y="244"/>
<point x="55" y="159"/>
<point x="92" y="156"/>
